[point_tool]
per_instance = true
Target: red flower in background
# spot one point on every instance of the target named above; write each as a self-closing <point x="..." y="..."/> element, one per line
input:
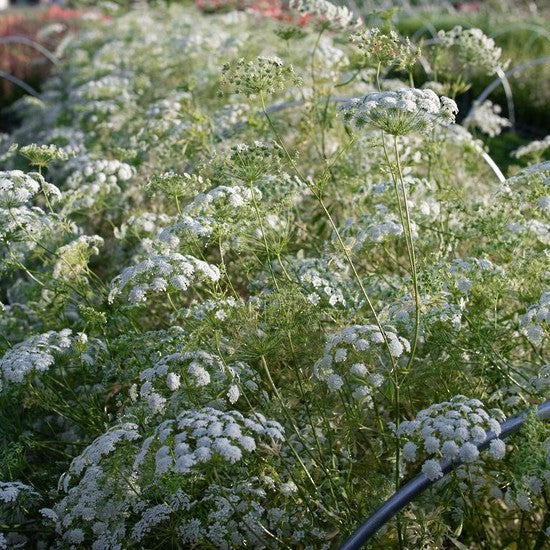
<point x="21" y="60"/>
<point x="274" y="9"/>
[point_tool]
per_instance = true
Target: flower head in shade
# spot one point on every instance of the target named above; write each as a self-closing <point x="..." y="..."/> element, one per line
<point x="265" y="74"/>
<point x="351" y="359"/>
<point x="474" y="49"/>
<point x="378" y="47"/>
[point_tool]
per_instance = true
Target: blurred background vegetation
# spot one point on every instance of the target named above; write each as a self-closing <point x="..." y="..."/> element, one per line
<point x="521" y="28"/>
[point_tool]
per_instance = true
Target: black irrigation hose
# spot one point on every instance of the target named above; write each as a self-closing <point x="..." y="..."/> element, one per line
<point x="420" y="483"/>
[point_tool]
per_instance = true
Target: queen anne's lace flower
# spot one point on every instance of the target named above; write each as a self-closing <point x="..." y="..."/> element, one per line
<point x="18" y="189"/>
<point x="101" y="446"/>
<point x="73" y="257"/>
<point x="535" y="324"/>
<point x="326" y="14"/>
<point x="160" y="273"/>
<point x="91" y="181"/>
<point x="486" y="117"/>
<point x="351" y="357"/>
<point x="22" y="224"/>
<point x="432" y="469"/>
<point x="474" y="48"/>
<point x="37" y="354"/>
<point x="387" y="49"/>
<point x="187" y="377"/>
<point x="400" y="112"/>
<point x="11" y="491"/>
<point x="199" y="436"/>
<point x="321" y="279"/>
<point x="221" y="212"/>
<point x="449" y="430"/>
<point x="266" y="74"/>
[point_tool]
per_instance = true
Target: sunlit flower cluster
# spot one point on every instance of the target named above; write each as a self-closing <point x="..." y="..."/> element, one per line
<point x="161" y="273"/>
<point x="401" y="111"/>
<point x="229" y="320"/>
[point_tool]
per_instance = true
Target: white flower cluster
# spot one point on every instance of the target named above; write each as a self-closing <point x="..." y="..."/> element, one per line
<point x="221" y="211"/>
<point x="216" y="309"/>
<point x="18" y="189"/>
<point x="388" y="49"/>
<point x="350" y="357"/>
<point x="11" y="491"/>
<point x="401" y="111"/>
<point x="199" y="436"/>
<point x="451" y="430"/>
<point x="536" y="147"/>
<point x="250" y="513"/>
<point x="522" y="491"/>
<point x="322" y="279"/>
<point x="531" y="229"/>
<point x="379" y="225"/>
<point x="90" y="181"/>
<point x="103" y="445"/>
<point x="437" y="308"/>
<point x="168" y="118"/>
<point x="170" y="107"/>
<point x="98" y="501"/>
<point x="266" y="74"/>
<point x="326" y="14"/>
<point x="160" y="273"/>
<point x="486" y="118"/>
<point x="109" y="87"/>
<point x="474" y="48"/>
<point x="535" y="324"/>
<point x="23" y="225"/>
<point x="73" y="257"/>
<point x="33" y="355"/>
<point x="466" y="272"/>
<point x="178" y="374"/>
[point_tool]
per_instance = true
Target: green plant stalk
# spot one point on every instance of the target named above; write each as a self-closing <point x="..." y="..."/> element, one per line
<point x="414" y="269"/>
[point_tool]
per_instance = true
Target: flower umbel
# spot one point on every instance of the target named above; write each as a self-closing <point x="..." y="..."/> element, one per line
<point x="400" y="112"/>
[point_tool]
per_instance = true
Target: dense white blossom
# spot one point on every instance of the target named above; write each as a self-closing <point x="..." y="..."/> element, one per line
<point x="18" y="189"/>
<point x="401" y="111"/>
<point x="186" y="377"/>
<point x="36" y="354"/>
<point x="221" y="211"/>
<point x="486" y="117"/>
<point x="197" y="436"/>
<point x="451" y="430"/>
<point x="351" y="357"/>
<point x="11" y="491"/>
<point x="160" y="273"/>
